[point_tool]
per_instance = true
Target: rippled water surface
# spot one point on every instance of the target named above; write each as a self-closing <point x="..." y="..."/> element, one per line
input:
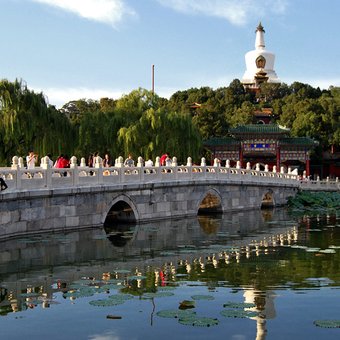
<point x="251" y="275"/>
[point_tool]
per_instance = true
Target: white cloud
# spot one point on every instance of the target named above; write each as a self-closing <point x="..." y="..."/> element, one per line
<point x="60" y="96"/>
<point x="237" y="12"/>
<point x="109" y="12"/>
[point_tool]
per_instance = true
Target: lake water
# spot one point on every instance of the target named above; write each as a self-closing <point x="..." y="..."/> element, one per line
<point x="251" y="275"/>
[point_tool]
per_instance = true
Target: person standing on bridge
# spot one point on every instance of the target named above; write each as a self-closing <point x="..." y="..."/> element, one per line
<point x="31" y="159"/>
<point x="129" y="161"/>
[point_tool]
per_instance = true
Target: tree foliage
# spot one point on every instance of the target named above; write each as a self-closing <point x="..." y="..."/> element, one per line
<point x="144" y="124"/>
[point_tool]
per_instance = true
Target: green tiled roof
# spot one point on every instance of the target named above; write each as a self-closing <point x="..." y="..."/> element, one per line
<point x="215" y="141"/>
<point x="259" y="129"/>
<point x="305" y="141"/>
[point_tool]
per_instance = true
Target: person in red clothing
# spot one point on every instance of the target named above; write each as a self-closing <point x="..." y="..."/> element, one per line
<point x="163" y="158"/>
<point x="62" y="162"/>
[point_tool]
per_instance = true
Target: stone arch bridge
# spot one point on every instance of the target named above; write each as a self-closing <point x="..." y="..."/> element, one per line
<point x="60" y="199"/>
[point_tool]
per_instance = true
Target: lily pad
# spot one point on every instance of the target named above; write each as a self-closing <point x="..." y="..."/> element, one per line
<point x="121" y="297"/>
<point x="231" y="304"/>
<point x="238" y="313"/>
<point x="175" y="313"/>
<point x="156" y="295"/>
<point x="106" y="302"/>
<point x="327" y="323"/>
<point x="198" y="321"/>
<point x="202" y="297"/>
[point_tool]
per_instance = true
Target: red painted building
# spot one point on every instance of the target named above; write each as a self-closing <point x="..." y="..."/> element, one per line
<point x="264" y="144"/>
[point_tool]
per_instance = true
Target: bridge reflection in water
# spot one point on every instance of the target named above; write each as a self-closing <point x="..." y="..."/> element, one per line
<point x="50" y="263"/>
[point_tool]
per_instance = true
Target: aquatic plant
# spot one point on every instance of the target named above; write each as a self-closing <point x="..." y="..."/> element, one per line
<point x="238" y="313"/>
<point x="175" y="313"/>
<point x="231" y="304"/>
<point x="198" y="321"/>
<point x="156" y="295"/>
<point x="327" y="323"/>
<point x="202" y="297"/>
<point x="106" y="302"/>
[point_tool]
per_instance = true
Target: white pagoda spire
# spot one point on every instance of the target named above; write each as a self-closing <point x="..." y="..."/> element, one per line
<point x="259" y="40"/>
<point x="259" y="63"/>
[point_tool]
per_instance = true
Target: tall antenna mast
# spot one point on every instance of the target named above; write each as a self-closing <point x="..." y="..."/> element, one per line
<point x="153" y="79"/>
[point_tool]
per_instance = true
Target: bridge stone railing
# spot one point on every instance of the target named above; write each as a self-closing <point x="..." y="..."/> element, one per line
<point x="19" y="178"/>
<point x="318" y="185"/>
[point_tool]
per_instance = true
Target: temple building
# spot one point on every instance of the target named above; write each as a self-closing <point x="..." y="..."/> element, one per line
<point x="263" y="142"/>
<point x="259" y="64"/>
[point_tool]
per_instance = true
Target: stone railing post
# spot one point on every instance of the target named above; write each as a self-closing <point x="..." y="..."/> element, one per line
<point x="75" y="172"/>
<point x="21" y="163"/>
<point x="217" y="162"/>
<point x="140" y="165"/>
<point x="274" y="169"/>
<point x="266" y="168"/>
<point x="248" y="166"/>
<point x="282" y="170"/>
<point x="98" y="162"/>
<point x="119" y="162"/>
<point x="174" y="161"/>
<point x="189" y="161"/>
<point x="73" y="162"/>
<point x="227" y="164"/>
<point x="15" y="166"/>
<point x="45" y="164"/>
<point x="203" y="162"/>
<point x="82" y="162"/>
<point x="257" y="167"/>
<point x="238" y="165"/>
<point x="15" y="163"/>
<point x="158" y="161"/>
<point x="140" y="162"/>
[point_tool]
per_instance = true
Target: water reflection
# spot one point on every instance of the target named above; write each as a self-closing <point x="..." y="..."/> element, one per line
<point x="252" y="255"/>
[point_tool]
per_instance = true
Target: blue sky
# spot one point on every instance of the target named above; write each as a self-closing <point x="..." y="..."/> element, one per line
<point x="72" y="49"/>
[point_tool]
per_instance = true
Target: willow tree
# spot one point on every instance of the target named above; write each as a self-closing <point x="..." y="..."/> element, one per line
<point x="158" y="131"/>
<point x="27" y="122"/>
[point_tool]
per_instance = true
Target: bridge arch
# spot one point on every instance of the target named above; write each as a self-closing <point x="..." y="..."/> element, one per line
<point x="122" y="211"/>
<point x="268" y="199"/>
<point x="210" y="202"/>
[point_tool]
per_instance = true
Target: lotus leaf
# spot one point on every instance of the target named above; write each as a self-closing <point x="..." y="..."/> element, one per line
<point x="121" y="297"/>
<point x="157" y="294"/>
<point x="327" y="323"/>
<point x="231" y="304"/>
<point x="198" y="321"/>
<point x="106" y="302"/>
<point x="238" y="313"/>
<point x="175" y="313"/>
<point x="202" y="297"/>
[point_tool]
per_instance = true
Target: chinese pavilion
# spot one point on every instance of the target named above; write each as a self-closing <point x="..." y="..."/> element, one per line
<point x="266" y="144"/>
<point x="262" y="143"/>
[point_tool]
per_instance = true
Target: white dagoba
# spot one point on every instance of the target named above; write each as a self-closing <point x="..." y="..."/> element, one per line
<point x="259" y="63"/>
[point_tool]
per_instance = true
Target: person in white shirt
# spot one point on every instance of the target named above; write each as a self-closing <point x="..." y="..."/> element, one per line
<point x="31" y="159"/>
